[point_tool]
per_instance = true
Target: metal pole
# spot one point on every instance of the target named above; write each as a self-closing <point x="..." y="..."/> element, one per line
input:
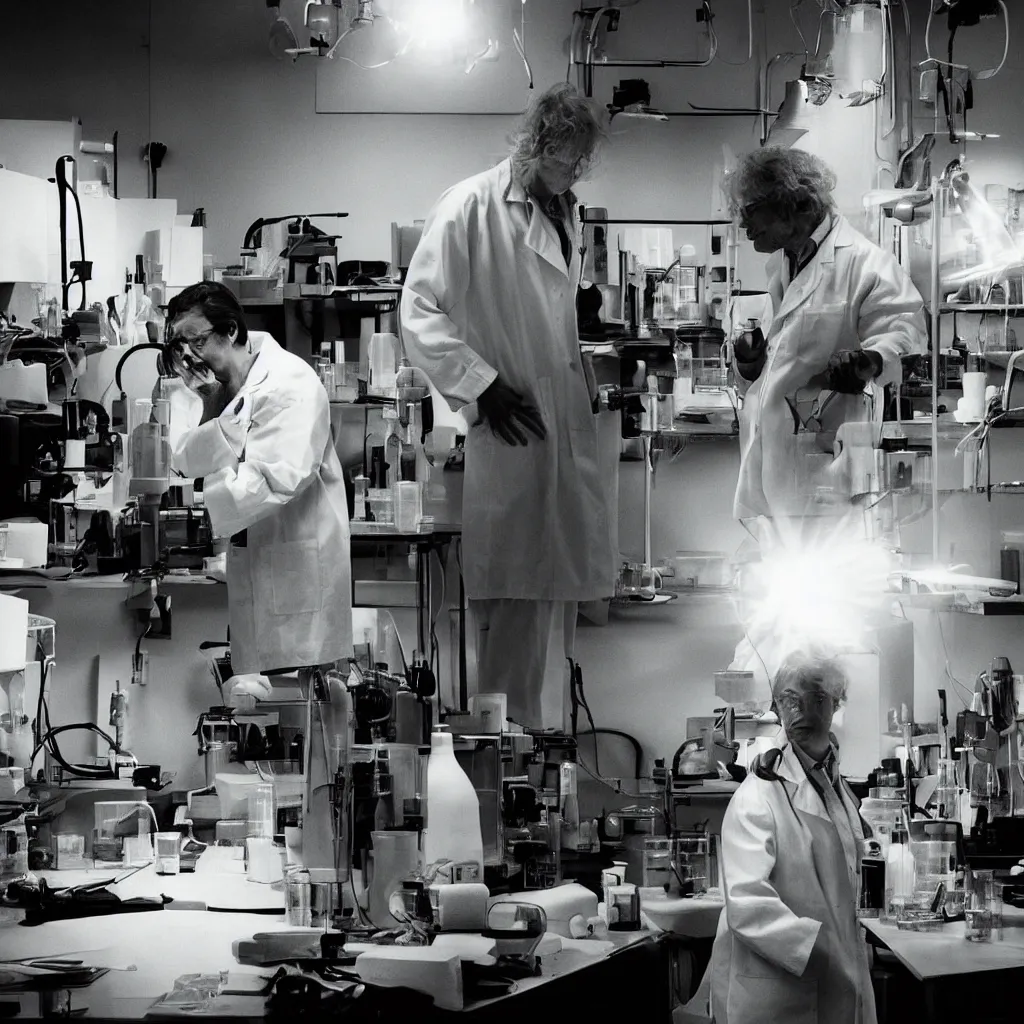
<point x="936" y="300"/>
<point x="648" y="479"/>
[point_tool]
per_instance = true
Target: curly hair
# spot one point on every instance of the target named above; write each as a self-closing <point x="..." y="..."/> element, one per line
<point x="817" y="663"/>
<point x="558" y="121"/>
<point x="791" y="180"/>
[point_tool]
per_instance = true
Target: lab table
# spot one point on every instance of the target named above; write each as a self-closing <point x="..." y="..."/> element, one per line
<point x="959" y="978"/>
<point x="146" y="952"/>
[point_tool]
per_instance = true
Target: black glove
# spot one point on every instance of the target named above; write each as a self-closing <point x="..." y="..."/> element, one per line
<point x="749" y="351"/>
<point x="850" y="370"/>
<point x="505" y="410"/>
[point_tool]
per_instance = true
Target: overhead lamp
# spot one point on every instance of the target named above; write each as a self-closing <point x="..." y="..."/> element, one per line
<point x="282" y="39"/>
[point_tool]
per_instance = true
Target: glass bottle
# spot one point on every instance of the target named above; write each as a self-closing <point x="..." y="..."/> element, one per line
<point x="682" y="386"/>
<point x="947" y="798"/>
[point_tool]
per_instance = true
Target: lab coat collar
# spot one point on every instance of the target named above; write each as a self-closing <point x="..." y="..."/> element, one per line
<point x="806" y="797"/>
<point x="809" y="278"/>
<point x="541" y="235"/>
<point x="266" y="353"/>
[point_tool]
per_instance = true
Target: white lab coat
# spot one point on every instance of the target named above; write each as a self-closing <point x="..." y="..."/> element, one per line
<point x="270" y="469"/>
<point x="488" y="293"/>
<point x="785" y="880"/>
<point x="851" y="295"/>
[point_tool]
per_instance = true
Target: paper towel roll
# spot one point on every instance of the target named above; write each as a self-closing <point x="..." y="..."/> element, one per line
<point x="13" y="636"/>
<point x="461" y="907"/>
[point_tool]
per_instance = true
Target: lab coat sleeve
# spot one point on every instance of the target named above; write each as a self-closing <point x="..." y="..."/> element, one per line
<point x="435" y="288"/>
<point x="891" y="318"/>
<point x="265" y="466"/>
<point x="755" y="913"/>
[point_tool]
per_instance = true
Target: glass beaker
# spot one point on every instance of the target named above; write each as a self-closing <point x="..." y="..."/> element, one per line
<point x="168" y="856"/>
<point x="657" y="864"/>
<point x="692" y="864"/>
<point x="978" y="917"/>
<point x="261" y="811"/>
<point x="396" y="858"/>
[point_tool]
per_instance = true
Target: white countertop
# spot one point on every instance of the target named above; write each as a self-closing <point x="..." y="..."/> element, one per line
<point x="945" y="953"/>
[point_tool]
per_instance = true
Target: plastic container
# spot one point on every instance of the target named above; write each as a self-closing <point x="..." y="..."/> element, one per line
<point x="453" y="812"/>
<point x="920" y="921"/>
<point x="1011" y="556"/>
<point x="702" y="569"/>
<point x="381" y="505"/>
<point x="408" y="504"/>
<point x="233" y="790"/>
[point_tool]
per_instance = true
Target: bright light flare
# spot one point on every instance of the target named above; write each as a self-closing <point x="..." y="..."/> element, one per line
<point x="435" y="24"/>
<point x="819" y="582"/>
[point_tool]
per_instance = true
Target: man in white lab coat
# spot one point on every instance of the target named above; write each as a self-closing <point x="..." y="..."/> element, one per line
<point x="273" y="483"/>
<point x="844" y="315"/>
<point x="789" y="947"/>
<point x="489" y="312"/>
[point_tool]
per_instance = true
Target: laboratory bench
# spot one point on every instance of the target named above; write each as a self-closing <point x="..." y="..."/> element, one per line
<point x="144" y="953"/>
<point x="956" y="979"/>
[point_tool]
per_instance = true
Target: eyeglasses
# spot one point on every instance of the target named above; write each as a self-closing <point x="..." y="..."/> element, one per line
<point x="196" y="342"/>
<point x="575" y="169"/>
<point x="746" y="212"/>
<point x="792" y="702"/>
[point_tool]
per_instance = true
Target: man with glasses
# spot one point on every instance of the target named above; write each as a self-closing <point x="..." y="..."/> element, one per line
<point x="272" y="482"/>
<point x="789" y="946"/>
<point x="844" y="315"/>
<point x="489" y="312"/>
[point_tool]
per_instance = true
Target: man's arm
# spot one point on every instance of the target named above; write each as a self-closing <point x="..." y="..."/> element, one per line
<point x="891" y="319"/>
<point x="436" y="284"/>
<point x="283" y="448"/>
<point x="754" y="910"/>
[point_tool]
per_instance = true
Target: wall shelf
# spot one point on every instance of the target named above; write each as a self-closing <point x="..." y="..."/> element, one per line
<point x="954" y="307"/>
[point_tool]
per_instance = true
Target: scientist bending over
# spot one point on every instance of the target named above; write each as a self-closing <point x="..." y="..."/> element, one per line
<point x="789" y="947"/>
<point x="489" y="312"/>
<point x="272" y="483"/>
<point x="844" y="314"/>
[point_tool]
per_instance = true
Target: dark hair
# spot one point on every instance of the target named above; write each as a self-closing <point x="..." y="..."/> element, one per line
<point x="216" y="302"/>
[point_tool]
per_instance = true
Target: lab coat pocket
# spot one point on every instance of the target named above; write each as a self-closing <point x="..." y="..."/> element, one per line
<point x="782" y="998"/>
<point x="295" y="577"/>
<point x="823" y="331"/>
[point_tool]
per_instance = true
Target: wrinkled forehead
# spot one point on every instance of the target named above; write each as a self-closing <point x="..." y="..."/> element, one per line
<point x="810" y="680"/>
<point x="189" y="321"/>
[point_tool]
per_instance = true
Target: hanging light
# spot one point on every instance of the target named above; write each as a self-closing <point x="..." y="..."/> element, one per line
<point x="798" y="113"/>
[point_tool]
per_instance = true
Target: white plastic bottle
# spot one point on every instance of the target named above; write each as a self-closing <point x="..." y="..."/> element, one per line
<point x="453" y="812"/>
<point x="900" y="875"/>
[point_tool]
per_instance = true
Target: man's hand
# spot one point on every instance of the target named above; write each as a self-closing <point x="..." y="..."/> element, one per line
<point x="850" y="370"/>
<point x="818" y="961"/>
<point x="506" y="412"/>
<point x="215" y="399"/>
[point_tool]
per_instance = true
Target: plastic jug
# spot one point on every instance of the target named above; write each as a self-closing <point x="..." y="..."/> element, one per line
<point x="396" y="857"/>
<point x="453" y="812"/>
